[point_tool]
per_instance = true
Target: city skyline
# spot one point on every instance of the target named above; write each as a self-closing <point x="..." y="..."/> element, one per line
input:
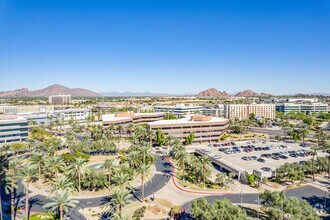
<point x="277" y="47"/>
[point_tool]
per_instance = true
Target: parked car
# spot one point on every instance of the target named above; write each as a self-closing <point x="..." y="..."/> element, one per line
<point x="266" y="169"/>
<point x="261" y="160"/>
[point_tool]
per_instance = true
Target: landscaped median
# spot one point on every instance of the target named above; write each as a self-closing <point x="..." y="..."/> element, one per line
<point x="190" y="187"/>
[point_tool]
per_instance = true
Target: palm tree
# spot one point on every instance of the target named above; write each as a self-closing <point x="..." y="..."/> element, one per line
<point x="183" y="157"/>
<point x="55" y="164"/>
<point x="79" y="168"/>
<point x="204" y="162"/>
<point x="118" y="138"/>
<point x="120" y="128"/>
<point x="3" y="164"/>
<point x="321" y="136"/>
<point x="175" y="144"/>
<point x="11" y="178"/>
<point x="314" y="151"/>
<point x="118" y="199"/>
<point x="110" y="166"/>
<point x="303" y="133"/>
<point x="28" y="173"/>
<point x="61" y="183"/>
<point x="145" y="150"/>
<point x="120" y="179"/>
<point x="134" y="159"/>
<point x="38" y="160"/>
<point x="61" y="202"/>
<point x="143" y="171"/>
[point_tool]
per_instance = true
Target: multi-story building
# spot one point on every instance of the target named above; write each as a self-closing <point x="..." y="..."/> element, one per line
<point x="131" y="117"/>
<point x="205" y="128"/>
<point x="13" y="128"/>
<point x="305" y="108"/>
<point x="179" y="110"/>
<point x="59" y="99"/>
<point x="26" y="110"/>
<point x="313" y="100"/>
<point x="243" y="111"/>
<point x="216" y="110"/>
<point x="75" y="114"/>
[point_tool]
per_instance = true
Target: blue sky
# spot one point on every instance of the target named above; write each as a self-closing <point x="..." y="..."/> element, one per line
<point x="174" y="46"/>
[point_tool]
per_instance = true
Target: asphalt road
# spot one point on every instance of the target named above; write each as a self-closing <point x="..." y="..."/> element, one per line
<point x="309" y="193"/>
<point x="271" y="132"/>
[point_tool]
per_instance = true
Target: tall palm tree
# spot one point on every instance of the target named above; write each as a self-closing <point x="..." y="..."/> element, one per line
<point x="110" y="166"/>
<point x="61" y="183"/>
<point x="175" y="144"/>
<point x="314" y="151"/>
<point x="134" y="159"/>
<point x="143" y="171"/>
<point x="303" y="133"/>
<point x="38" y="160"/>
<point x="55" y="164"/>
<point x="183" y="157"/>
<point x="145" y="150"/>
<point x="11" y="178"/>
<point x="61" y="203"/>
<point x="3" y="164"/>
<point x="204" y="162"/>
<point x="79" y="167"/>
<point x="28" y="173"/>
<point x="118" y="199"/>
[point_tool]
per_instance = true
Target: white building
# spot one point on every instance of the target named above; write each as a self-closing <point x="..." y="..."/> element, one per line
<point x="75" y="114"/>
<point x="179" y="110"/>
<point x="216" y="110"/>
<point x="305" y="108"/>
<point x="13" y="128"/>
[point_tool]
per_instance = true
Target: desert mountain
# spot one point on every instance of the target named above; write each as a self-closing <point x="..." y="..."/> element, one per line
<point x="250" y="93"/>
<point x="212" y="93"/>
<point x="48" y="91"/>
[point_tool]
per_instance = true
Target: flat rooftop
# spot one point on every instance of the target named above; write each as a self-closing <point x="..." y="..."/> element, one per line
<point x="6" y="118"/>
<point x="187" y="120"/>
<point x="113" y="117"/>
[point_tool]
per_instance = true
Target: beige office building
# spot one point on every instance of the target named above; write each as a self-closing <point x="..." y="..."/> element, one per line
<point x="243" y="111"/>
<point x="26" y="110"/>
<point x="205" y="128"/>
<point x="59" y="99"/>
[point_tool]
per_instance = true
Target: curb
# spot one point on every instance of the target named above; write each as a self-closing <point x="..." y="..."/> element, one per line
<point x="191" y="191"/>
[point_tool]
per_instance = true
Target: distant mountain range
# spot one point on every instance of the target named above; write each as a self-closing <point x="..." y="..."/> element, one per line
<point x="80" y="92"/>
<point x="216" y="93"/>
<point x="48" y="91"/>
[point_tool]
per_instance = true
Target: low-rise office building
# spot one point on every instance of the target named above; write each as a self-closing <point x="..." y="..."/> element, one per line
<point x="243" y="111"/>
<point x="305" y="108"/>
<point x="216" y="110"/>
<point x="13" y="128"/>
<point x="179" y="110"/>
<point x="205" y="128"/>
<point x="59" y="99"/>
<point x="26" y="110"/>
<point x="75" y="114"/>
<point x="131" y="117"/>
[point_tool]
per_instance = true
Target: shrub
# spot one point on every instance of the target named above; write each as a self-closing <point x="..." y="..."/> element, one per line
<point x="139" y="213"/>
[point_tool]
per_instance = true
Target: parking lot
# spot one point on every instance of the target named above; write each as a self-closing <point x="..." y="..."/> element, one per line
<point x="258" y="157"/>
